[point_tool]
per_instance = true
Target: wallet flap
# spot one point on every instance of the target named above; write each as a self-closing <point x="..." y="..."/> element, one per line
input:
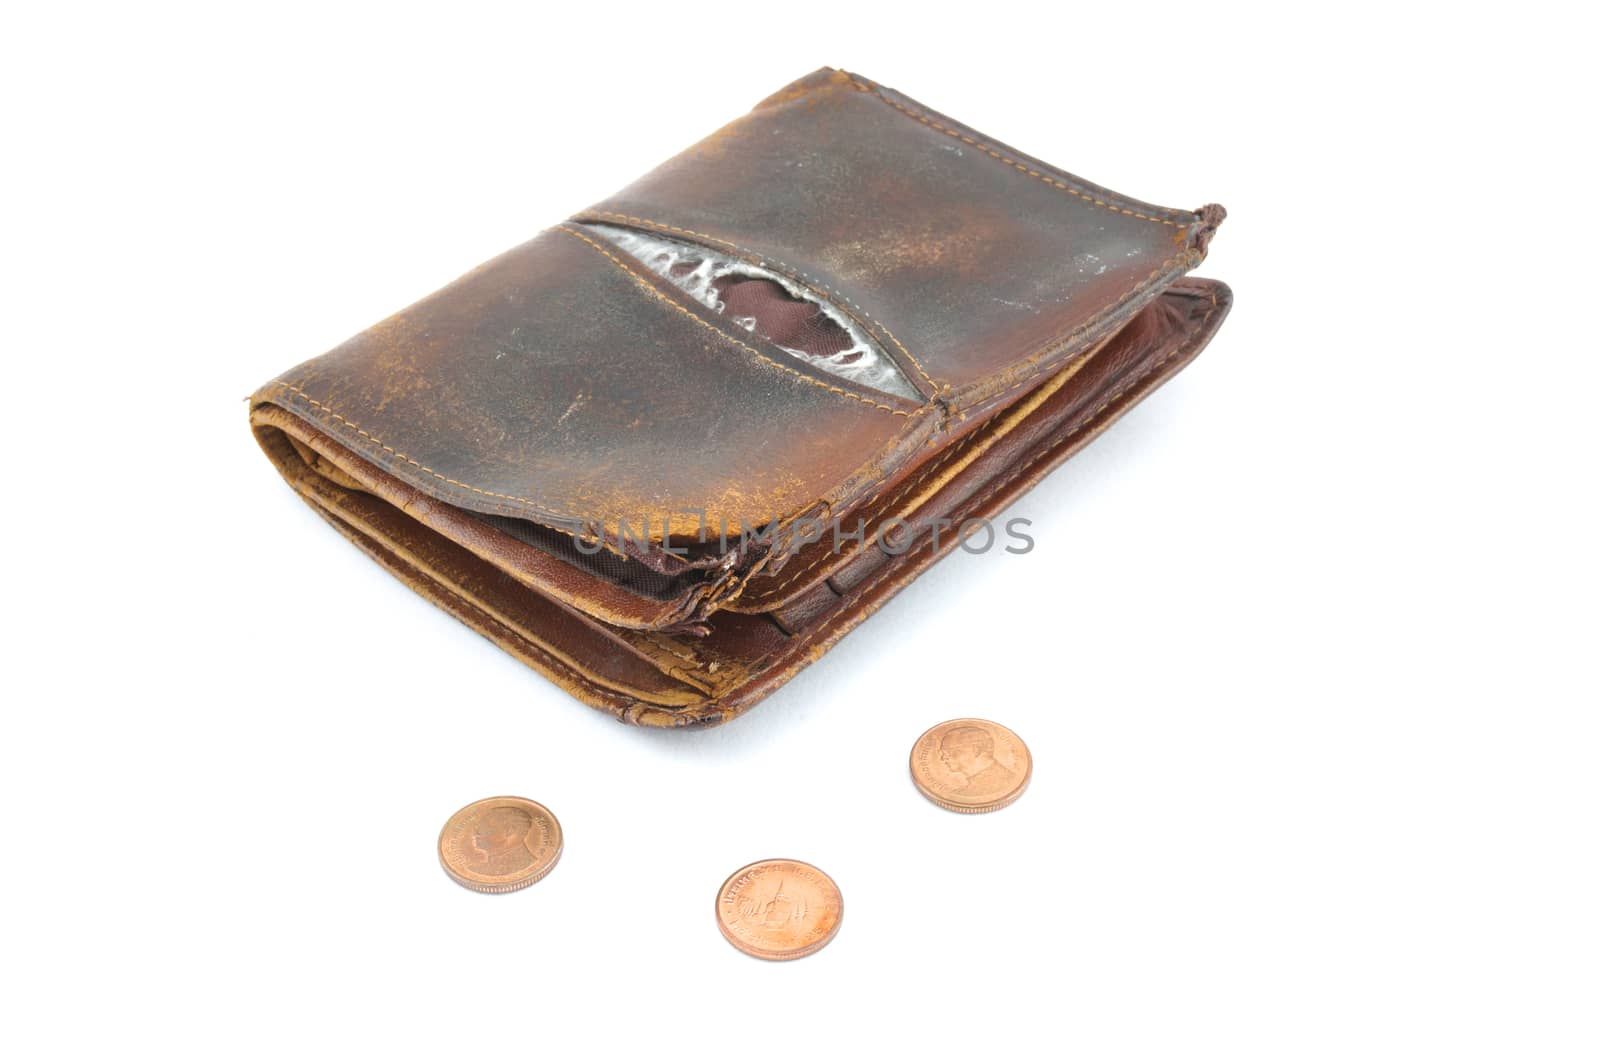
<point x="977" y="266"/>
<point x="563" y="385"/>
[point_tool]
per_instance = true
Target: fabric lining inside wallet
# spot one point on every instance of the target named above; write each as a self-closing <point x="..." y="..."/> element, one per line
<point x="670" y="452"/>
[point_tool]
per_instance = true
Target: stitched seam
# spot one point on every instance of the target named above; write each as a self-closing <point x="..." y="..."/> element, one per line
<point x="380" y="444"/>
<point x="651" y="289"/>
<point x="729" y="244"/>
<point x="1055" y="345"/>
<point x="719" y="675"/>
<point x="661" y="643"/>
<point x="794" y="273"/>
<point x="1022" y="167"/>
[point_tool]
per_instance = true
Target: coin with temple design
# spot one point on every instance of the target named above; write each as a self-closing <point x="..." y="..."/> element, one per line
<point x="779" y="909"/>
<point x="500" y="844"/>
<point x="970" y="765"/>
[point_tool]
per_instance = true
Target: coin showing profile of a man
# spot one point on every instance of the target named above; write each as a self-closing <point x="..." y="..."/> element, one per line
<point x="500" y="844"/>
<point x="971" y="765"/>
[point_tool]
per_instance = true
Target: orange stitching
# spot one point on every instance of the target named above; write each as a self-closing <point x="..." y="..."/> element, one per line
<point x="873" y="90"/>
<point x="663" y="225"/>
<point x="794" y="273"/>
<point x="661" y="643"/>
<point x="692" y="316"/>
<point x="477" y="490"/>
<point x="412" y="461"/>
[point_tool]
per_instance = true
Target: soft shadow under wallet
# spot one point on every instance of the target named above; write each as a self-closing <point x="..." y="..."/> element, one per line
<point x="671" y="450"/>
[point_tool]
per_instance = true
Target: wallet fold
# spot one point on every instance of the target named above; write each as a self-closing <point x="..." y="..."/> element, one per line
<point x="625" y="450"/>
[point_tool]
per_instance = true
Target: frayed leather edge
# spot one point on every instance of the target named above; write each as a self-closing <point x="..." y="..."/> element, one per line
<point x="1211" y="217"/>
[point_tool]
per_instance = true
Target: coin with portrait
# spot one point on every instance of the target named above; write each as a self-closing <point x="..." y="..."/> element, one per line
<point x="971" y="765"/>
<point x="500" y="844"/>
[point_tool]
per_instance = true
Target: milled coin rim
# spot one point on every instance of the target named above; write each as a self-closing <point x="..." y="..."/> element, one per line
<point x="511" y="885"/>
<point x="985" y="806"/>
<point x="755" y="951"/>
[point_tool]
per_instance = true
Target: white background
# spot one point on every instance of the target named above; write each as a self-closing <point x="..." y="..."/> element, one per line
<point x="1305" y="654"/>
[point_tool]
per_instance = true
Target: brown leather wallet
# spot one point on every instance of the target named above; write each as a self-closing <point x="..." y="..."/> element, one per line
<point x="671" y="450"/>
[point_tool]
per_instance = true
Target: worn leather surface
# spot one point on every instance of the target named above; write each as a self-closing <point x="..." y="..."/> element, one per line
<point x="978" y="265"/>
<point x="516" y="446"/>
<point x="560" y="383"/>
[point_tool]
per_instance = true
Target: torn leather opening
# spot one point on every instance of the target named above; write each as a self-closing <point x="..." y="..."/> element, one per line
<point x="767" y="304"/>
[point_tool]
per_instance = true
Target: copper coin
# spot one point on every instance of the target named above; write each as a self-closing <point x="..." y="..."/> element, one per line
<point x="779" y="909"/>
<point x="500" y="844"/>
<point x="970" y="765"/>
